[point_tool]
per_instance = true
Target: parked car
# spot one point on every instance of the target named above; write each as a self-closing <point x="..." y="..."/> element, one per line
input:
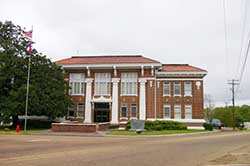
<point x="216" y="123"/>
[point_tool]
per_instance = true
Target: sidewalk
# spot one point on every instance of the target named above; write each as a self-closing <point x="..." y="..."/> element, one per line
<point x="91" y="134"/>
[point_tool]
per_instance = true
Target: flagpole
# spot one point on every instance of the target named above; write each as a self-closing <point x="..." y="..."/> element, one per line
<point x="28" y="83"/>
<point x="27" y="96"/>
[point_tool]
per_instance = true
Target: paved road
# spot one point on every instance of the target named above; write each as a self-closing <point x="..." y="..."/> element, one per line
<point x="118" y="151"/>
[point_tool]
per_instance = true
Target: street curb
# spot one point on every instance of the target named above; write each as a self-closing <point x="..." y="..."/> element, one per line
<point x="79" y="134"/>
<point x="166" y="135"/>
<point x="105" y="134"/>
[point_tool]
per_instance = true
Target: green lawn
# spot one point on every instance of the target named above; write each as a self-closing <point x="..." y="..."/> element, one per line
<point x="28" y="131"/>
<point x="164" y="132"/>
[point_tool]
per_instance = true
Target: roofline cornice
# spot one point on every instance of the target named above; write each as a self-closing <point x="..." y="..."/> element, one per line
<point x="171" y="73"/>
<point x="109" y="65"/>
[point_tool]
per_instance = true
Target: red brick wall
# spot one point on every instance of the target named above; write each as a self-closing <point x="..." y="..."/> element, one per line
<point x="196" y="100"/>
<point x="150" y="99"/>
<point x="73" y="127"/>
<point x="76" y="98"/>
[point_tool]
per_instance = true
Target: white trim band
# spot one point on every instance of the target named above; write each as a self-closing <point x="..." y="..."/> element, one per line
<point x="111" y="65"/>
<point x="182" y="120"/>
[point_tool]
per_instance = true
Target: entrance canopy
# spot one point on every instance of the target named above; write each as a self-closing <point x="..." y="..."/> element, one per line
<point x="101" y="100"/>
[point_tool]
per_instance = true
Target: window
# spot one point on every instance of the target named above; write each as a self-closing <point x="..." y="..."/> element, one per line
<point x="70" y="111"/>
<point x="177" y="88"/>
<point x="80" y="110"/>
<point x="177" y="111"/>
<point x="188" y="111"/>
<point x="76" y="82"/>
<point x="133" y="111"/>
<point x="166" y="88"/>
<point x="102" y="83"/>
<point x="129" y="83"/>
<point x="166" y="111"/>
<point x="124" y="111"/>
<point x="188" y="88"/>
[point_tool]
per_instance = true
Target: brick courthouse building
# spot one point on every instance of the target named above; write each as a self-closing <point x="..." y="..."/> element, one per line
<point x="116" y="89"/>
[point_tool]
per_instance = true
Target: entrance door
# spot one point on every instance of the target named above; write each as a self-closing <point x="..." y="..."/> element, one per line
<point x="101" y="112"/>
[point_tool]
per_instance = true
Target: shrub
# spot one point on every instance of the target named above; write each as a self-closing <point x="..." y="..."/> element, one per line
<point x="113" y="126"/>
<point x="128" y="125"/>
<point x="33" y="124"/>
<point x="208" y="126"/>
<point x="161" y="125"/>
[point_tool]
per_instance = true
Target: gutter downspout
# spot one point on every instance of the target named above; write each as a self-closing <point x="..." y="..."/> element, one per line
<point x="155" y="95"/>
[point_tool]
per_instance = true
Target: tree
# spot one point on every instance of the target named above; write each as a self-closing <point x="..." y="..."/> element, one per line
<point x="209" y="106"/>
<point x="242" y="114"/>
<point x="224" y="114"/>
<point x="47" y="86"/>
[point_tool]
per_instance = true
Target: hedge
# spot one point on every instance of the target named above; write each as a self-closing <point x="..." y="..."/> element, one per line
<point x="208" y="126"/>
<point x="161" y="125"/>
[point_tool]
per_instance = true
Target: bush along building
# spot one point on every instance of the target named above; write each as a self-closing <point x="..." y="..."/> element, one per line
<point x="117" y="89"/>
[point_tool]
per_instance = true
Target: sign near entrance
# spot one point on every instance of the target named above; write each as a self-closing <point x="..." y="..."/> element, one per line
<point x="137" y="125"/>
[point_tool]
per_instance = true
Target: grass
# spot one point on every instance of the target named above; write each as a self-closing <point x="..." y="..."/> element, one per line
<point x="28" y="131"/>
<point x="163" y="132"/>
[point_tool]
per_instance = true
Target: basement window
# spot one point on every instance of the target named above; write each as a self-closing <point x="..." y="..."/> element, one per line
<point x="70" y="111"/>
<point x="133" y="111"/>
<point x="124" y="111"/>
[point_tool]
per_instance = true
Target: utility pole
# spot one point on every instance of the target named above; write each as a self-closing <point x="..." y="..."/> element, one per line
<point x="233" y="82"/>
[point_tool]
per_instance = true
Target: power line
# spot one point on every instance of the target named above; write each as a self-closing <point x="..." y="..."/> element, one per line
<point x="245" y="62"/>
<point x="226" y="41"/>
<point x="246" y="4"/>
<point x="225" y="35"/>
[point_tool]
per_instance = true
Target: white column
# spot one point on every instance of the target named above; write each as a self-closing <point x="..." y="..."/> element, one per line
<point x="88" y="95"/>
<point x="142" y="98"/>
<point x="115" y="71"/>
<point x="115" y="100"/>
<point x="142" y="70"/>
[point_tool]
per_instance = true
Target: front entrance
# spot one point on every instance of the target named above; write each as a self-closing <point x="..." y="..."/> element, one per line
<point x="101" y="112"/>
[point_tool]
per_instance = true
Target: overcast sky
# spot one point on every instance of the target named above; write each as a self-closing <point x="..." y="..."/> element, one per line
<point x="171" y="31"/>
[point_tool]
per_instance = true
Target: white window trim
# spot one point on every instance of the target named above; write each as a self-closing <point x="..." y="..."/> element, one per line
<point x="80" y="117"/>
<point x="131" y="111"/>
<point x="128" y="95"/>
<point x="107" y="81"/>
<point x="175" y="111"/>
<point x="167" y="95"/>
<point x="81" y="81"/>
<point x="126" y="118"/>
<point x="177" y="95"/>
<point x="125" y="80"/>
<point x="190" y="109"/>
<point x="166" y="105"/>
<point x="187" y="95"/>
<point x="180" y="89"/>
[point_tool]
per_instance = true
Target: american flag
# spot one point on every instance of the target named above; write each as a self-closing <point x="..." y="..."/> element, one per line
<point x="28" y="35"/>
